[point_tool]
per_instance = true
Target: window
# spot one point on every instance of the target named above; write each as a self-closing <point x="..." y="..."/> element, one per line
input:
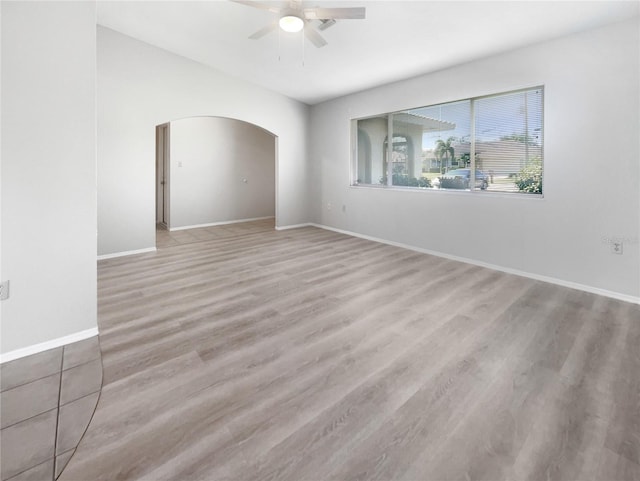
<point x="495" y="140"/>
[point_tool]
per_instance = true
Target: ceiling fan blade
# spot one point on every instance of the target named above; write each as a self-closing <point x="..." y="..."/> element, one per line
<point x="325" y="24"/>
<point x="334" y="13"/>
<point x="314" y="37"/>
<point x="263" y="31"/>
<point x="260" y="5"/>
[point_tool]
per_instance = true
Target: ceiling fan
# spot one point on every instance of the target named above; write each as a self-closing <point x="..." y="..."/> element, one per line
<point x="294" y="18"/>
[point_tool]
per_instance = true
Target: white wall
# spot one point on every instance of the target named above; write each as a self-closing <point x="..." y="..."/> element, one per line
<point x="591" y="165"/>
<point x="141" y="86"/>
<point x="48" y="171"/>
<point x="221" y="170"/>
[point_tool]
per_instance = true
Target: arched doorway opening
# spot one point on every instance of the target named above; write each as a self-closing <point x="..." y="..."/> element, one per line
<point x="402" y="155"/>
<point x="212" y="171"/>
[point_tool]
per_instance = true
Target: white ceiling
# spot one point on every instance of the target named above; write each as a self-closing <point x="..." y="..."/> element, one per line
<point x="397" y="40"/>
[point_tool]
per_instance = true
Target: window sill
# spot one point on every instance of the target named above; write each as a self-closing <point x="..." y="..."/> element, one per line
<point x="463" y="192"/>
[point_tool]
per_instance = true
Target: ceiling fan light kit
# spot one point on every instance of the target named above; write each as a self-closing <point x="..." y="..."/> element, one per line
<point x="291" y="23"/>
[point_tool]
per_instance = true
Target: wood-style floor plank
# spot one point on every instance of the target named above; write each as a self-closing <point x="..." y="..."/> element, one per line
<point x="243" y="353"/>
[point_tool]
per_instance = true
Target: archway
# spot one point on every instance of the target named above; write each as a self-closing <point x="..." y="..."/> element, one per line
<point x="214" y="170"/>
<point x="402" y="155"/>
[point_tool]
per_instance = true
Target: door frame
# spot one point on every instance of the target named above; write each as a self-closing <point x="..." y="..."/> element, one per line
<point x="163" y="187"/>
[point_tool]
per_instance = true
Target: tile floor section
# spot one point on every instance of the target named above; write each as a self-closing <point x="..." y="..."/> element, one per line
<point x="46" y="403"/>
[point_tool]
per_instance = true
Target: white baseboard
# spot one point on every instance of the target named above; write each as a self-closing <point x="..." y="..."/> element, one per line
<point x="213" y="224"/>
<point x="295" y="226"/>
<point x="126" y="253"/>
<point x="45" y="346"/>
<point x="530" y="275"/>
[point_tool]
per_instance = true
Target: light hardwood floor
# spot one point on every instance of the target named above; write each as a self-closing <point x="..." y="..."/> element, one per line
<point x="243" y="353"/>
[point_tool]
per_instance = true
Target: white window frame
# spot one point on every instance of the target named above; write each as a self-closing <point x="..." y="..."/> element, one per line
<point x="353" y="174"/>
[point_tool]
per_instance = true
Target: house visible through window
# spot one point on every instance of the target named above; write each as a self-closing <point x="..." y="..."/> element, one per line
<point x="495" y="140"/>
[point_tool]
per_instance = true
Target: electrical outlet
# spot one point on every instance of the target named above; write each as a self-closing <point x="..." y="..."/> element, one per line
<point x="616" y="247"/>
<point x="4" y="290"/>
<point x="329" y="205"/>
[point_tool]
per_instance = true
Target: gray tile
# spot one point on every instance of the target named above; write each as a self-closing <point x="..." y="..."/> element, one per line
<point x="27" y="444"/>
<point x="73" y="421"/>
<point x="80" y="352"/>
<point x="62" y="460"/>
<point x="28" y="400"/>
<point x="81" y="380"/>
<point x="30" y="368"/>
<point x="41" y="472"/>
